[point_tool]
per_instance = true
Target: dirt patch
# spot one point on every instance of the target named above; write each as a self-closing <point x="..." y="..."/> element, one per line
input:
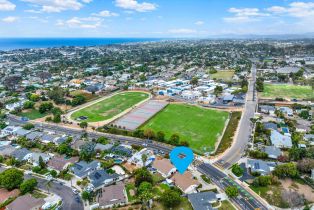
<point x="302" y="189"/>
<point x="129" y="167"/>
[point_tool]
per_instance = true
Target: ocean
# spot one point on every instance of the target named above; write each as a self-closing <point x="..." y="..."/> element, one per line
<point x="26" y="43"/>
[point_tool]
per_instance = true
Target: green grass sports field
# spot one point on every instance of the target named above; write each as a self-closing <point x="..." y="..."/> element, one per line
<point x="223" y="75"/>
<point x="110" y="107"/>
<point x="200" y="127"/>
<point x="287" y="91"/>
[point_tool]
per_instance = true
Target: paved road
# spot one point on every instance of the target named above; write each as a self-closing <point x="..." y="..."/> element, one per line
<point x="78" y="132"/>
<point x="232" y="155"/>
<point x="245" y="200"/>
<point x="68" y="197"/>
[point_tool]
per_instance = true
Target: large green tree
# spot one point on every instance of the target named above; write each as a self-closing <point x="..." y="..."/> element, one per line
<point x="28" y="185"/>
<point x="232" y="191"/>
<point x="170" y="198"/>
<point x="142" y="175"/>
<point x="11" y="178"/>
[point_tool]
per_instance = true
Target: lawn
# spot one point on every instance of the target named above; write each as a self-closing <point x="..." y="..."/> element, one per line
<point x="226" y="205"/>
<point x="184" y="205"/>
<point x="130" y="191"/>
<point x="110" y="107"/>
<point x="287" y="91"/>
<point x="223" y="75"/>
<point x="199" y="126"/>
<point x="32" y="114"/>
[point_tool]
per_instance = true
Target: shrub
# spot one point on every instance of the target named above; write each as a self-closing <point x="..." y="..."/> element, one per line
<point x="237" y="170"/>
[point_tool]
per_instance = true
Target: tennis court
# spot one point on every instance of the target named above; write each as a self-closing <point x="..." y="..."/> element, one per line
<point x="140" y="115"/>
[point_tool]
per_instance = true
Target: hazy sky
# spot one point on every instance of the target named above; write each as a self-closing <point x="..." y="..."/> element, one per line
<point x="153" y="18"/>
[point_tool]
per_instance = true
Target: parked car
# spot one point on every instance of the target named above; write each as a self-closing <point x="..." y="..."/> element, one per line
<point x="75" y="191"/>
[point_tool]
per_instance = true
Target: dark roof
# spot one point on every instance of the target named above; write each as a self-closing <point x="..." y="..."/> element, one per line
<point x="20" y="153"/>
<point x="202" y="200"/>
<point x="92" y="88"/>
<point x="228" y="97"/>
<point x="99" y="177"/>
<point x="123" y="150"/>
<point x="34" y="135"/>
<point x="270" y="125"/>
<point x="82" y="168"/>
<point x="61" y="140"/>
<point x="272" y="151"/>
<point x="48" y="137"/>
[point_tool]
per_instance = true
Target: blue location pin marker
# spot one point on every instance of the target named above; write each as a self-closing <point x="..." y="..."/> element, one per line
<point x="181" y="158"/>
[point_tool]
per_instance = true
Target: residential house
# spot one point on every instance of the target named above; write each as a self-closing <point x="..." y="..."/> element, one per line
<point x="7" y="151"/>
<point x="270" y="126"/>
<point x="286" y="110"/>
<point x="227" y="99"/>
<point x="60" y="163"/>
<point x="48" y="138"/>
<point x="309" y="138"/>
<point x="122" y="150"/>
<point x="164" y="167"/>
<point x="279" y="140"/>
<point x="99" y="178"/>
<point x="82" y="169"/>
<point x="203" y="200"/>
<point x="22" y="132"/>
<point x="10" y="130"/>
<point x="77" y="144"/>
<point x="185" y="182"/>
<point x="26" y="202"/>
<point x="35" y="156"/>
<point x="5" y="194"/>
<point x="267" y="109"/>
<point x="103" y="147"/>
<point x="260" y="166"/>
<point x="34" y="135"/>
<point x="272" y="151"/>
<point x="137" y="159"/>
<point x="22" y="154"/>
<point x="61" y="139"/>
<point x="112" y="195"/>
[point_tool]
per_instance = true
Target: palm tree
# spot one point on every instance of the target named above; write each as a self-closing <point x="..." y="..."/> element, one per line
<point x="144" y="159"/>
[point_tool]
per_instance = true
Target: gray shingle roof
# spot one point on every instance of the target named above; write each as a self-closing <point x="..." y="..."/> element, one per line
<point x="99" y="177"/>
<point x="273" y="152"/>
<point x="22" y="132"/>
<point x="82" y="168"/>
<point x="34" y="135"/>
<point x="261" y="166"/>
<point x="48" y="137"/>
<point x="202" y="200"/>
<point x="103" y="147"/>
<point x="20" y="153"/>
<point x="270" y="125"/>
<point x="279" y="140"/>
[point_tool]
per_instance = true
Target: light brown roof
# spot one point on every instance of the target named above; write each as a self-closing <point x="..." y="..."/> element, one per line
<point x="5" y="194"/>
<point x="77" y="144"/>
<point x="26" y="202"/>
<point x="163" y="165"/>
<point x="58" y="162"/>
<point x="184" y="181"/>
<point x="113" y="194"/>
